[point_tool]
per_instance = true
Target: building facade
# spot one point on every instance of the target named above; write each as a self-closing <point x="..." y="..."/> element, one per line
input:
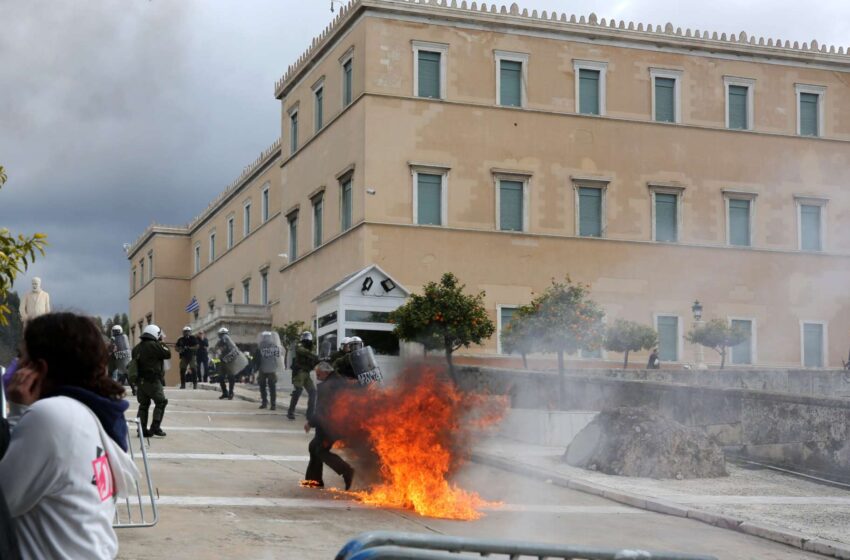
<point x="660" y="166"/>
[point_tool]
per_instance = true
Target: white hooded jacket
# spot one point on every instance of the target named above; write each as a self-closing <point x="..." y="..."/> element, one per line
<point x="61" y="476"/>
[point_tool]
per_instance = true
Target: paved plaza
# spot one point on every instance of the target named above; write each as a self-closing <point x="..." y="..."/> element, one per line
<point x="228" y="477"/>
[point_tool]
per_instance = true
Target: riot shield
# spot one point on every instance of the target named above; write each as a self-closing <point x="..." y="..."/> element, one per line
<point x="365" y="366"/>
<point x="233" y="360"/>
<point x="271" y="352"/>
<point x="121" y="352"/>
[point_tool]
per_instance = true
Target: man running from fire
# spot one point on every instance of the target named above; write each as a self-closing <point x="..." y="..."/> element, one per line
<point x="318" y="417"/>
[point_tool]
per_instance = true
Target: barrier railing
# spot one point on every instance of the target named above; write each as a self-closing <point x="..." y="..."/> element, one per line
<point x="378" y="545"/>
<point x="146" y="516"/>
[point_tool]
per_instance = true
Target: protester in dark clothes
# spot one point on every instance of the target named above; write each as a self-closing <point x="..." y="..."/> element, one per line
<point x="319" y="418"/>
<point x="203" y="357"/>
<point x="654" y="361"/>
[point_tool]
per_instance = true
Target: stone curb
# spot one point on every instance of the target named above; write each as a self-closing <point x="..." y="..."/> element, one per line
<point x="769" y="532"/>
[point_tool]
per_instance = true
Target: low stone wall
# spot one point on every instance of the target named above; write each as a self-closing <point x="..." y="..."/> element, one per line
<point x="797" y="431"/>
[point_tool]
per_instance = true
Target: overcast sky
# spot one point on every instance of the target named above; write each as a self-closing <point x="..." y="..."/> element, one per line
<point x="114" y="114"/>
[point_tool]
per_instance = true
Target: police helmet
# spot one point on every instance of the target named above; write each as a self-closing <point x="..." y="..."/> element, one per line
<point x="116" y="330"/>
<point x="355" y="342"/>
<point x="223" y="331"/>
<point x="152" y="330"/>
<point x="187" y="328"/>
<point x="306" y="336"/>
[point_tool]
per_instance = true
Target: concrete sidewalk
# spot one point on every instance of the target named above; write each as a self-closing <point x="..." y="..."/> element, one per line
<point x="763" y="503"/>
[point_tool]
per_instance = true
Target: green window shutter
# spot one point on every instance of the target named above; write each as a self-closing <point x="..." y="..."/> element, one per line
<point x="318" y="207"/>
<point x="668" y="339"/>
<point x="293" y="238"/>
<point x="346" y="84"/>
<point x="738" y="107"/>
<point x="429" y="74"/>
<point x="510" y="76"/>
<point x="346" y="205"/>
<point x="588" y="92"/>
<point x="739" y="222"/>
<point x="510" y="205"/>
<point x="809" y="114"/>
<point x="506" y="314"/>
<point x="666" y="219"/>
<point x="665" y="100"/>
<point x="293" y="132"/>
<point x="743" y="352"/>
<point x="590" y="212"/>
<point x="429" y="199"/>
<point x="812" y="345"/>
<point x="320" y="109"/>
<point x="810" y="228"/>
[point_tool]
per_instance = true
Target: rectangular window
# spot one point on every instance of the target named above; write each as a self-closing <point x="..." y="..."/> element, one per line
<point x="246" y="291"/>
<point x="665" y="100"/>
<point x="505" y="315"/>
<point x="142" y="269"/>
<point x="666" y="217"/>
<point x="668" y="337"/>
<point x="150" y="265"/>
<point x="809" y="114"/>
<point x="743" y="353"/>
<point x="813" y="345"/>
<point x="429" y="74"/>
<point x="318" y="208"/>
<point x="212" y="247"/>
<point x="135" y="284"/>
<point x="511" y="69"/>
<point x="246" y="219"/>
<point x="293" y="132"/>
<point x="197" y="258"/>
<point x="210" y="306"/>
<point x="511" y="205"/>
<point x="345" y="210"/>
<point x="230" y="232"/>
<point x="739" y="222"/>
<point x="589" y="92"/>
<point x="228" y="295"/>
<point x="738" y="118"/>
<point x="326" y="320"/>
<point x="429" y="199"/>
<point x="810" y="227"/>
<point x="346" y="83"/>
<point x="358" y="316"/>
<point x="264" y="207"/>
<point x="264" y="288"/>
<point x="590" y="212"/>
<point x="318" y="100"/>
<point x="293" y="236"/>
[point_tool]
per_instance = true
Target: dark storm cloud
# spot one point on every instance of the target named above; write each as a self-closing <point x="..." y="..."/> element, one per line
<point x="117" y="113"/>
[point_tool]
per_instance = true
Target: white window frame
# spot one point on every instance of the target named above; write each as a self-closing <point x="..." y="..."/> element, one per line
<point x="264" y="287"/>
<point x="602" y="67"/>
<point x="753" y="339"/>
<point x="197" y="257"/>
<point x="820" y="91"/>
<point x="748" y="83"/>
<point x="347" y="57"/>
<point x="293" y="141"/>
<point x="499" y="308"/>
<point x="513" y="57"/>
<point x="443" y="171"/>
<point x="246" y="218"/>
<point x="231" y="230"/>
<point x="525" y="179"/>
<point x="739" y="195"/>
<point x="591" y="183"/>
<point x="441" y="48"/>
<point x="676" y="76"/>
<point x="319" y="85"/>
<point x="824" y="346"/>
<point x="212" y="254"/>
<point x="802" y="200"/>
<point x="679" y="191"/>
<point x="347" y="176"/>
<point x="680" y="334"/>
<point x="246" y="290"/>
<point x="264" y="204"/>
<point x="319" y="198"/>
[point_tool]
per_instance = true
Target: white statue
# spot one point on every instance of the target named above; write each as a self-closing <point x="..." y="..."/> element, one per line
<point x="35" y="303"/>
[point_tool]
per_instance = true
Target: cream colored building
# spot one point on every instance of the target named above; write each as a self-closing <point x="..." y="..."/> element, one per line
<point x="658" y="165"/>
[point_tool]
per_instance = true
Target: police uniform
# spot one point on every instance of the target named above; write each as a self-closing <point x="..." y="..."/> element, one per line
<point x="149" y="354"/>
<point x="343" y="367"/>
<point x="320" y="447"/>
<point x="187" y="345"/>
<point x="302" y="364"/>
<point x="267" y="362"/>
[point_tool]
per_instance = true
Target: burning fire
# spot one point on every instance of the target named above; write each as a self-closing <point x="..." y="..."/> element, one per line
<point x="418" y="428"/>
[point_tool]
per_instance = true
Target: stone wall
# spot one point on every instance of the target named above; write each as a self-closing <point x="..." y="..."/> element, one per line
<point x="798" y="431"/>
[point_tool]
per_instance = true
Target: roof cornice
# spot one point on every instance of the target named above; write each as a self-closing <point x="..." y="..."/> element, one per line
<point x="590" y="27"/>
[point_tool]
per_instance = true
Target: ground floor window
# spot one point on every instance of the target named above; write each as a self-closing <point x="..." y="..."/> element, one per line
<point x="668" y="337"/>
<point x="813" y="339"/>
<point x="743" y="353"/>
<point x="384" y="343"/>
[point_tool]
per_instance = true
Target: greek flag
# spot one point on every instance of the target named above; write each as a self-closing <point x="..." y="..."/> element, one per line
<point x="193" y="305"/>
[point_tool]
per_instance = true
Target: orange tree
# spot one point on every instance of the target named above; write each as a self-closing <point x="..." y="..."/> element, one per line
<point x="444" y="318"/>
<point x="517" y="336"/>
<point x="628" y="336"/>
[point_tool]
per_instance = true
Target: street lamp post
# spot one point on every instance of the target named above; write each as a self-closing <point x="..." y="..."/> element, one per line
<point x="696" y="308"/>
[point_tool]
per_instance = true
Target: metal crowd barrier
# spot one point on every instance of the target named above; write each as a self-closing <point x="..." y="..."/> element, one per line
<point x="388" y="545"/>
<point x="124" y="513"/>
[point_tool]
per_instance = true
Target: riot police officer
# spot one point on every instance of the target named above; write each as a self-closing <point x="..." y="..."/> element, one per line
<point x="233" y="361"/>
<point x="149" y="355"/>
<point x="342" y="365"/>
<point x="302" y="364"/>
<point x="187" y="346"/>
<point x="267" y="363"/>
<point x="119" y="357"/>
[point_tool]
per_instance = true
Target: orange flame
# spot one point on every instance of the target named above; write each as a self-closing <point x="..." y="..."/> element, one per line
<point x="418" y="427"/>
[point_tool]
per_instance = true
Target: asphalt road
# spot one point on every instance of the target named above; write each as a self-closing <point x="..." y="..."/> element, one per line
<point x="228" y="477"/>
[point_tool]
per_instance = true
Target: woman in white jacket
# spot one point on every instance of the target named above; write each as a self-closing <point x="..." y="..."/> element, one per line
<point x="66" y="462"/>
